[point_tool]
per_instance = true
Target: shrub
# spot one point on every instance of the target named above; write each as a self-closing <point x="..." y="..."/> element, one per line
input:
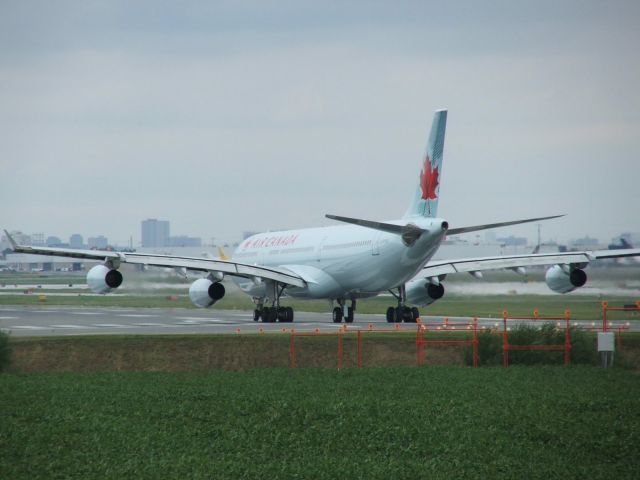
<point x="583" y="349"/>
<point x="489" y="350"/>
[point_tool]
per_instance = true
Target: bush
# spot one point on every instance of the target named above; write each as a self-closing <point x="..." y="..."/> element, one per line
<point x="489" y="350"/>
<point x="583" y="350"/>
<point x="5" y="351"/>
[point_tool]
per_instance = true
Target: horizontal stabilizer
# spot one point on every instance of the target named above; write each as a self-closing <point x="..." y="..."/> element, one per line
<point x="456" y="231"/>
<point x="385" y="227"/>
<point x="410" y="233"/>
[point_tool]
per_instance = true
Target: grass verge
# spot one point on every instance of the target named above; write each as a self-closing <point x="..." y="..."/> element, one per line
<point x="434" y="422"/>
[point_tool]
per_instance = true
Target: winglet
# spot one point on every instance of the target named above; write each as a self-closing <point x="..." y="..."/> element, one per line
<point x="13" y="243"/>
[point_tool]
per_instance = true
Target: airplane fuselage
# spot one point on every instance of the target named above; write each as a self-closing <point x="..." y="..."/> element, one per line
<point x="341" y="261"/>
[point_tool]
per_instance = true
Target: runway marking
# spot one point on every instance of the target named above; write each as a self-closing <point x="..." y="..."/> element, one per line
<point x="69" y="326"/>
<point x="27" y="327"/>
<point x="43" y="311"/>
<point x="111" y="325"/>
<point x="151" y="324"/>
<point x="8" y="318"/>
<point x="135" y="315"/>
<point x="85" y="313"/>
<point x="202" y="321"/>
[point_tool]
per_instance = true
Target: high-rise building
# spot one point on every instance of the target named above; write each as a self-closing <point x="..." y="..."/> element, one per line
<point x="155" y="233"/>
<point x="53" y="241"/>
<point x="37" y="239"/>
<point x="76" y="241"/>
<point x="99" y="243"/>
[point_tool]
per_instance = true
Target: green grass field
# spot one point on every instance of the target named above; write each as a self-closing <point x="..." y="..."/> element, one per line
<point x="583" y="307"/>
<point x="433" y="422"/>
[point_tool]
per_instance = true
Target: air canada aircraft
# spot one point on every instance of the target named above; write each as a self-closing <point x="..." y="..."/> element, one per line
<point x="344" y="263"/>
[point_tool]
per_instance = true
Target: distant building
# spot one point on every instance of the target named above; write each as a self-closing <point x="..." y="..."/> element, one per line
<point x="155" y="233"/>
<point x="53" y="241"/>
<point x="585" y="243"/>
<point x="630" y="238"/>
<point x="185" y="241"/>
<point x="76" y="241"/>
<point x="99" y="243"/>
<point x="17" y="236"/>
<point x="512" y="241"/>
<point x="37" y="239"/>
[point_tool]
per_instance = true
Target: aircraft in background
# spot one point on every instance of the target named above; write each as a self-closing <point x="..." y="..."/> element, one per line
<point x="344" y="263"/>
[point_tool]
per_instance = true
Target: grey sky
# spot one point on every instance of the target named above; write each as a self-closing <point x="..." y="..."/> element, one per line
<point x="231" y="116"/>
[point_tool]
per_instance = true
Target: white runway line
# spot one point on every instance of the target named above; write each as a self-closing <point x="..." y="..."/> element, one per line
<point x="135" y="315"/>
<point x="85" y="313"/>
<point x="69" y="326"/>
<point x="151" y="324"/>
<point x="9" y="318"/>
<point x="111" y="325"/>
<point x="27" y="327"/>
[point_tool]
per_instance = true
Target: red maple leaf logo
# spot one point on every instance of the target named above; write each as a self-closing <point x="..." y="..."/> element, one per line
<point x="429" y="180"/>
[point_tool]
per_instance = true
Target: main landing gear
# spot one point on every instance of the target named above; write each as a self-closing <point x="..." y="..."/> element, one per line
<point x="341" y="311"/>
<point x="402" y="313"/>
<point x="275" y="312"/>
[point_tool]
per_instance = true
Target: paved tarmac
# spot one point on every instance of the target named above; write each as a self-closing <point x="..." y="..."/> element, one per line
<point x="62" y="320"/>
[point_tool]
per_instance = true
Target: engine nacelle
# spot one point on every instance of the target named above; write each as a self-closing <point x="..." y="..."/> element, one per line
<point x="422" y="292"/>
<point x="204" y="293"/>
<point x="102" y="279"/>
<point x="560" y="281"/>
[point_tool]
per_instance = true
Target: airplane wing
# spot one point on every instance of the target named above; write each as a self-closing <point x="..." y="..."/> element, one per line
<point x="444" y="267"/>
<point x="279" y="275"/>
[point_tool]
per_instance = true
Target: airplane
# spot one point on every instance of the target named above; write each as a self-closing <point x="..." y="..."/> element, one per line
<point x="344" y="263"/>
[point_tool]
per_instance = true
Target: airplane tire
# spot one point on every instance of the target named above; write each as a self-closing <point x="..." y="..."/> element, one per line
<point x="349" y="317"/>
<point x="398" y="314"/>
<point x="256" y="315"/>
<point x="391" y="314"/>
<point x="337" y="315"/>
<point x="269" y="314"/>
<point x="415" y="314"/>
<point x="289" y="313"/>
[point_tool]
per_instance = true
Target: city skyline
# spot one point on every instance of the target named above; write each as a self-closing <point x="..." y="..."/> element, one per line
<point x="490" y="237"/>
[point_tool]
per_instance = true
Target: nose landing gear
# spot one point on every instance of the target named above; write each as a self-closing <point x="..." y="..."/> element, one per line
<point x="342" y="312"/>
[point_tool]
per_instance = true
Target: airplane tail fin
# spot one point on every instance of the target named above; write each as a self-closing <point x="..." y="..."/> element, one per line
<point x="222" y="255"/>
<point x="425" y="201"/>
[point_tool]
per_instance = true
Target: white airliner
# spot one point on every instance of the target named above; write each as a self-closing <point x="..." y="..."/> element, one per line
<point x="346" y="262"/>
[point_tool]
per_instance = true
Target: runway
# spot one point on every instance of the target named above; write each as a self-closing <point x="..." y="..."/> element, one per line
<point x="49" y="320"/>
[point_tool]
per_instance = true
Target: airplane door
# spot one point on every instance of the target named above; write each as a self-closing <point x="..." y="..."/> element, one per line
<point x="375" y="245"/>
<point x="319" y="249"/>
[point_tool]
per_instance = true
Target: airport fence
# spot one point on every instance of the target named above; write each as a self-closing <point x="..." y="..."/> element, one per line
<point x="400" y="344"/>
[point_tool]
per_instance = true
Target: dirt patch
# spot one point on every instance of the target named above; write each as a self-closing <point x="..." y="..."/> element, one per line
<point x="189" y="353"/>
<point x="238" y="352"/>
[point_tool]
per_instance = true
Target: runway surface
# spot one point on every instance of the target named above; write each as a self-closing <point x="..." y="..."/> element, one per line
<point x="58" y="320"/>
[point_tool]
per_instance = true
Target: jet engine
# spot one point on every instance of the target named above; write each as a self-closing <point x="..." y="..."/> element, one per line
<point x="423" y="292"/>
<point x="564" y="280"/>
<point x="102" y="279"/>
<point x="204" y="292"/>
